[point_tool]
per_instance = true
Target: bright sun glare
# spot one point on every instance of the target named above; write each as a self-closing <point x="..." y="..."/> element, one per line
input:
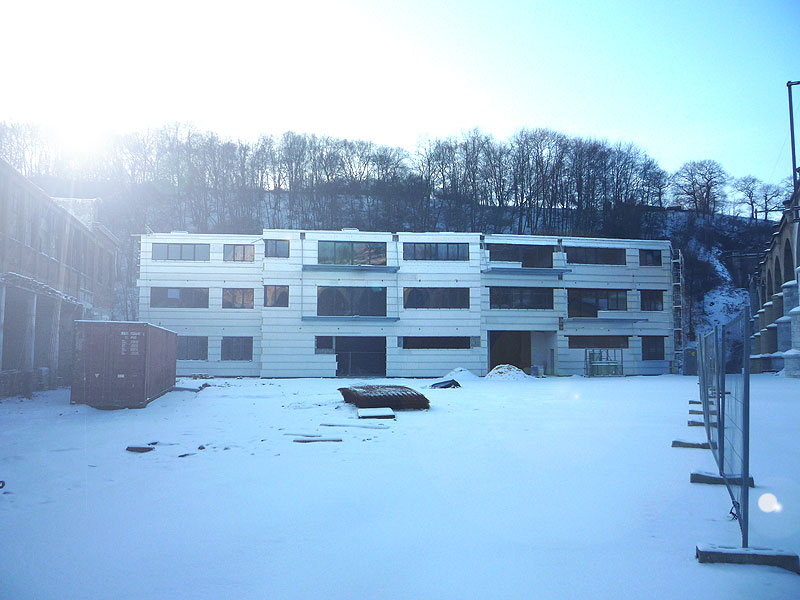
<point x="769" y="503"/>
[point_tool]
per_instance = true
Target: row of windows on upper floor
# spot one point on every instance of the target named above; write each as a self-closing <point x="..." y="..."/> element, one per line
<point x="241" y="347"/>
<point x="371" y="301"/>
<point x="374" y="253"/>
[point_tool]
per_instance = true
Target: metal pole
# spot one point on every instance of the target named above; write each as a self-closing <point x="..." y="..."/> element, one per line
<point x="789" y="85"/>
<point x="718" y="341"/>
<point x="744" y="508"/>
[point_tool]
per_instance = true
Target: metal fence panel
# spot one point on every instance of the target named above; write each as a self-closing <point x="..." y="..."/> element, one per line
<point x="724" y="378"/>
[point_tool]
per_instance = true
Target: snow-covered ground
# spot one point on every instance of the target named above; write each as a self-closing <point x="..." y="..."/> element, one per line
<point x="534" y="488"/>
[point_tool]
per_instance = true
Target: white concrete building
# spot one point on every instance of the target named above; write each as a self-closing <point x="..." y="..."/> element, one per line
<point x="325" y="303"/>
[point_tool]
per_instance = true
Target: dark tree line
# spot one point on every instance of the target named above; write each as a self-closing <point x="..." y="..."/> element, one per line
<point x="537" y="181"/>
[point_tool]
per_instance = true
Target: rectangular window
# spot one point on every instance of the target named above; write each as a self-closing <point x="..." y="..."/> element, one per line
<point x="530" y="256"/>
<point x="238" y="252"/>
<point x="652" y="299"/>
<point x="425" y="297"/>
<point x="436" y="343"/>
<point x="440" y="251"/>
<point x="586" y="303"/>
<point x="323" y="344"/>
<point x="164" y="297"/>
<point x="237" y="348"/>
<point x="276" y="296"/>
<point x="351" y="253"/>
<point x="583" y="255"/>
<point x="181" y="252"/>
<point x="237" y="298"/>
<point x="524" y="298"/>
<point x="652" y="347"/>
<point x="598" y="341"/>
<point x="276" y="248"/>
<point x="650" y="258"/>
<point x="351" y="301"/>
<point x="192" y="347"/>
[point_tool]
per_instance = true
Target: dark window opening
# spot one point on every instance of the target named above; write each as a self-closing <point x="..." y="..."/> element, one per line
<point x="237" y="298"/>
<point x="520" y="298"/>
<point x="586" y="303"/>
<point x="351" y="253"/>
<point x="181" y="252"/>
<point x="238" y="252"/>
<point x="163" y="297"/>
<point x="423" y="297"/>
<point x="323" y="344"/>
<point x="276" y="248"/>
<point x="351" y="301"/>
<point x="598" y="341"/>
<point x="440" y="251"/>
<point x="650" y="258"/>
<point x="652" y="300"/>
<point x="276" y="296"/>
<point x="529" y="255"/>
<point x="652" y="347"/>
<point x="192" y="347"/>
<point x="436" y="343"/>
<point x="237" y="348"/>
<point x="583" y="255"/>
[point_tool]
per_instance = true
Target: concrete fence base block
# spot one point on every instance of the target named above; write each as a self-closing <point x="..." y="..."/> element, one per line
<point x="685" y="444"/>
<point x="715" y="479"/>
<point x="710" y="553"/>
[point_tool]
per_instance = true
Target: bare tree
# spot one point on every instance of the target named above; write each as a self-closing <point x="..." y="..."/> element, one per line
<point x="700" y="186"/>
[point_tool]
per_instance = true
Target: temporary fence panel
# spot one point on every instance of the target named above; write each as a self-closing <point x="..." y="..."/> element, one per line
<point x="724" y="379"/>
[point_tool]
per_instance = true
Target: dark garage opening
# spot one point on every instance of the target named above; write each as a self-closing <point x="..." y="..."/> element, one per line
<point x="359" y="356"/>
<point x="510" y="348"/>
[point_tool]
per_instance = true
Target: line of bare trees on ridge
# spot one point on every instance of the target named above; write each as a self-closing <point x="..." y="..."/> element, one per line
<point x="537" y="181"/>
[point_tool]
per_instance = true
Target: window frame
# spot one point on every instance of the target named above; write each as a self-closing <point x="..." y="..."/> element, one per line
<point x="238" y="346"/>
<point x="348" y="296"/>
<point x="436" y="251"/>
<point x="200" y="348"/>
<point x="182" y="252"/>
<point x="436" y="342"/>
<point x="652" y="253"/>
<point x="592" y="255"/>
<point x="273" y="248"/>
<point x="655" y="301"/>
<point x="576" y="307"/>
<point x="195" y="297"/>
<point x="346" y="252"/>
<point x="436" y="298"/>
<point x="238" y="298"/>
<point x="531" y="256"/>
<point x="274" y="296"/>
<point x="517" y="295"/>
<point x="650" y="353"/>
<point x="238" y="252"/>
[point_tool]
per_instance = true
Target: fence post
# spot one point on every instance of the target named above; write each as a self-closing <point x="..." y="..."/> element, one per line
<point x="719" y="339"/>
<point x="744" y="508"/>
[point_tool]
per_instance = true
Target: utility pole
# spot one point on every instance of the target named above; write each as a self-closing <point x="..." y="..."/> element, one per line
<point x="789" y="85"/>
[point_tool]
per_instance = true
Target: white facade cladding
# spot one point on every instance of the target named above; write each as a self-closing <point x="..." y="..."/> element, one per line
<point x="325" y="303"/>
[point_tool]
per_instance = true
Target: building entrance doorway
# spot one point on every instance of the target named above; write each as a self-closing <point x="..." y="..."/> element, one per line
<point x="360" y="356"/>
<point x="510" y="348"/>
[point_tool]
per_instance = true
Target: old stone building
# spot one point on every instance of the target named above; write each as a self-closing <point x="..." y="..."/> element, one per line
<point x="54" y="269"/>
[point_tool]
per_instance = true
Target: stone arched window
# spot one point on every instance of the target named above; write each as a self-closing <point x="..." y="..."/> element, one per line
<point x="769" y="287"/>
<point x="778" y="275"/>
<point x="788" y="263"/>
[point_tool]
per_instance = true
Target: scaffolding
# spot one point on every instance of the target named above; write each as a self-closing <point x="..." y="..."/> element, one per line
<point x="679" y="316"/>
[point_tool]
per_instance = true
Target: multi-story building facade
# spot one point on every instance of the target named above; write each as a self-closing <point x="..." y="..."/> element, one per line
<point x="334" y="303"/>
<point x="53" y="269"/>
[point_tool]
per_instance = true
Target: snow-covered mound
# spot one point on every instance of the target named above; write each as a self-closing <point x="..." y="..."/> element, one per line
<point x="507" y="372"/>
<point x="460" y="374"/>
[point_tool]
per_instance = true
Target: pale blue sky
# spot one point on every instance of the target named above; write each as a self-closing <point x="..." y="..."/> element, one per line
<point x="684" y="80"/>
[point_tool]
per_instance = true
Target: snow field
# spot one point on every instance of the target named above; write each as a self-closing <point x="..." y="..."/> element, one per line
<point x="534" y="488"/>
